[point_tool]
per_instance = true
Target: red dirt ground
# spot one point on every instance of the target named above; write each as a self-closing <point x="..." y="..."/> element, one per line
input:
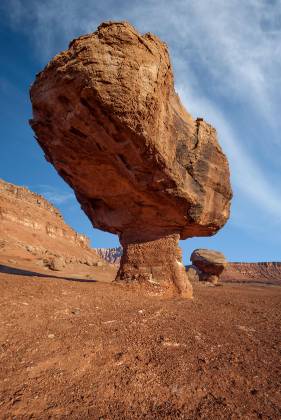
<point x="78" y="349"/>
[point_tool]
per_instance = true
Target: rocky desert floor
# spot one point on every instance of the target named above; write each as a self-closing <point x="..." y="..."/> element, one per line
<point x="78" y="347"/>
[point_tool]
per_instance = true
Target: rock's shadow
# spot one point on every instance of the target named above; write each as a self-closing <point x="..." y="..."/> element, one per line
<point x="21" y="272"/>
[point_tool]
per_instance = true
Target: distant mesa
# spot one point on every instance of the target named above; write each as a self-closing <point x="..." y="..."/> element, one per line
<point x="266" y="272"/>
<point x="107" y="116"/>
<point x="111" y="255"/>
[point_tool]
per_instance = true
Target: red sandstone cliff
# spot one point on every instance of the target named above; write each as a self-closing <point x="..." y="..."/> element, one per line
<point x="31" y="227"/>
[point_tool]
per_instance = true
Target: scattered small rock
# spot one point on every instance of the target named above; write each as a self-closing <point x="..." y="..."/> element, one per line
<point x="246" y="329"/>
<point x="57" y="264"/>
<point x="75" y="311"/>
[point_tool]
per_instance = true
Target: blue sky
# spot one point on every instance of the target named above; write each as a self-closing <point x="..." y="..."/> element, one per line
<point x="227" y="63"/>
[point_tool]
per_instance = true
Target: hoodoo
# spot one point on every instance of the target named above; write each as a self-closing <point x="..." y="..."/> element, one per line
<point x="106" y="114"/>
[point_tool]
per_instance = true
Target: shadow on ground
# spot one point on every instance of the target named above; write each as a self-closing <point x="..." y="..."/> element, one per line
<point x="21" y="272"/>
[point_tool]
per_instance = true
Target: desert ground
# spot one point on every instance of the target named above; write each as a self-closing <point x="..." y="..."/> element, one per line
<point x="80" y="347"/>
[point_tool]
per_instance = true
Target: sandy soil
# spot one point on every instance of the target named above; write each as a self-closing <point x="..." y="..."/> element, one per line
<point x="76" y="348"/>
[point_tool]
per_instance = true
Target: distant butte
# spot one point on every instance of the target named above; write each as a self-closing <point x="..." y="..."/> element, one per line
<point x="106" y="114"/>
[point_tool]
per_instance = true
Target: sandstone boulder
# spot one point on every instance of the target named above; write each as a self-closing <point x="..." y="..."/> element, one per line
<point x="209" y="261"/>
<point x="107" y="116"/>
<point x="208" y="265"/>
<point x="56" y="264"/>
<point x="213" y="279"/>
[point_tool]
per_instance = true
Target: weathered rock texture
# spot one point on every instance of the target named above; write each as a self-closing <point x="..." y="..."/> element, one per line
<point x="107" y="116"/>
<point x="207" y="265"/>
<point x="163" y="257"/>
<point x="193" y="273"/>
<point x="31" y="227"/>
<point x="209" y="261"/>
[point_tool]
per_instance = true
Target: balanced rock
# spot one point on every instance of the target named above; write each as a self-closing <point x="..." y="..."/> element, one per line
<point x="209" y="265"/>
<point x="208" y="261"/>
<point x="106" y="114"/>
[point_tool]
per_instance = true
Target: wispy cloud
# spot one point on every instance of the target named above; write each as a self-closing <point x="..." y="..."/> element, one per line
<point x="247" y="176"/>
<point x="57" y="197"/>
<point x="227" y="59"/>
<point x="52" y="194"/>
<point x="236" y="45"/>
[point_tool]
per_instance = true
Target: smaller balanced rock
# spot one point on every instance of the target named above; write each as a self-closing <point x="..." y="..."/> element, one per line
<point x="207" y="265"/>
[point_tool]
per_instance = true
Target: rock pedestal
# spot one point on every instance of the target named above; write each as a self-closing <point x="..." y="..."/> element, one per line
<point x="108" y="118"/>
<point x="157" y="262"/>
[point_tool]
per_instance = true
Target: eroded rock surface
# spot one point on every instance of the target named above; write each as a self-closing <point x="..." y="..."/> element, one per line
<point x="107" y="116"/>
<point x="207" y="265"/>
<point x="31" y="228"/>
<point x="192" y="273"/>
<point x="57" y="263"/>
<point x="155" y="262"/>
<point x="209" y="261"/>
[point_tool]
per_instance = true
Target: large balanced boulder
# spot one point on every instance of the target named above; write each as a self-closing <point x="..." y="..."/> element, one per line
<point x="208" y="264"/>
<point x="107" y="116"/>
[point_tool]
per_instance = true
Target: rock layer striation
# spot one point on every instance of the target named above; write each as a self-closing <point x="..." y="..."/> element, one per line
<point x="111" y="255"/>
<point x="260" y="272"/>
<point x="31" y="228"/>
<point x="108" y="118"/>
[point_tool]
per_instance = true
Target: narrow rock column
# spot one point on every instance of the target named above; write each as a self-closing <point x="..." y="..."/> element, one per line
<point x="157" y="263"/>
